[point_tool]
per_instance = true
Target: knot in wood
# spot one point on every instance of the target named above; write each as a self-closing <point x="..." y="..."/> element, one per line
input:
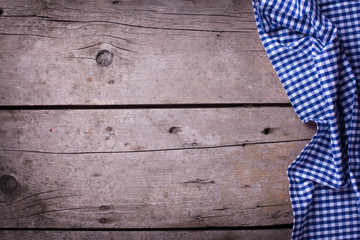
<point x="8" y="184"/>
<point x="104" y="208"/>
<point x="104" y="58"/>
<point x="267" y="131"/>
<point x="174" y="130"/>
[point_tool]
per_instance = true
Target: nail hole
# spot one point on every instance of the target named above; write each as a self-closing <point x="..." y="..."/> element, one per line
<point x="8" y="184"/>
<point x="267" y="131"/>
<point x="104" y="208"/>
<point x="103" y="220"/>
<point x="111" y="82"/>
<point x="218" y="35"/>
<point x="1" y="11"/>
<point x="104" y="58"/>
<point x="115" y="2"/>
<point x="109" y="129"/>
<point x="174" y="130"/>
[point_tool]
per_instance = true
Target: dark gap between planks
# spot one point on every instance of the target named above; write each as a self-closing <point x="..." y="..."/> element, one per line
<point x="143" y="106"/>
<point x="272" y="227"/>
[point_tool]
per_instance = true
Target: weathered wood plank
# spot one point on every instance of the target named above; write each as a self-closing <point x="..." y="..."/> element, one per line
<point x="269" y="234"/>
<point x="164" y="53"/>
<point x="71" y="131"/>
<point x="227" y="186"/>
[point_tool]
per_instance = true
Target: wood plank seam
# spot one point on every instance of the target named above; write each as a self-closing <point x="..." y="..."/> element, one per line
<point x="156" y="150"/>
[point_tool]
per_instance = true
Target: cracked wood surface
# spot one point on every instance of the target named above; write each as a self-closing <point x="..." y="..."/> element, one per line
<point x="116" y="169"/>
<point x="149" y="168"/>
<point x="164" y="53"/>
<point x="124" y="130"/>
<point x="273" y="234"/>
<point x="215" y="187"/>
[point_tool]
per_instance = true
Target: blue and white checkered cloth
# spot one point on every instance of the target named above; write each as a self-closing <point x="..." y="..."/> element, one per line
<point x="314" y="46"/>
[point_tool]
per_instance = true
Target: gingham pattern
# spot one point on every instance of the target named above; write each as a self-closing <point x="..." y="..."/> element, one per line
<point x="314" y="47"/>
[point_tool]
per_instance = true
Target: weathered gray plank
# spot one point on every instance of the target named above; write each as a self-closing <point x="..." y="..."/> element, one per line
<point x="271" y="234"/>
<point x="165" y="52"/>
<point x="69" y="131"/>
<point x="226" y="186"/>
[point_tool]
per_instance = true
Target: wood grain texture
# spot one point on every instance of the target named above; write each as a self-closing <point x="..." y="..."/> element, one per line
<point x="229" y="186"/>
<point x="142" y="168"/>
<point x="149" y="168"/>
<point x="274" y="234"/>
<point x="165" y="52"/>
<point x="74" y="131"/>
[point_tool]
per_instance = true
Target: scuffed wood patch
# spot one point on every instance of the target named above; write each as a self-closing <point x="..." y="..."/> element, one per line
<point x="161" y="53"/>
<point x="76" y="131"/>
<point x="221" y="187"/>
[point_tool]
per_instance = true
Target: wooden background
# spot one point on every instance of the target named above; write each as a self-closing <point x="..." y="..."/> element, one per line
<point x="187" y="134"/>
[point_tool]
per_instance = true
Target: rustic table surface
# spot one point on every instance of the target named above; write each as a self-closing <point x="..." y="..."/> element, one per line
<point x="142" y="120"/>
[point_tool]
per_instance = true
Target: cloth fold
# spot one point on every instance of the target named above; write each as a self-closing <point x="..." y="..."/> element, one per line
<point x="314" y="47"/>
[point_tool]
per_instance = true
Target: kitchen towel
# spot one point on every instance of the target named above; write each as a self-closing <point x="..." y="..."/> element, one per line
<point x="314" y="47"/>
